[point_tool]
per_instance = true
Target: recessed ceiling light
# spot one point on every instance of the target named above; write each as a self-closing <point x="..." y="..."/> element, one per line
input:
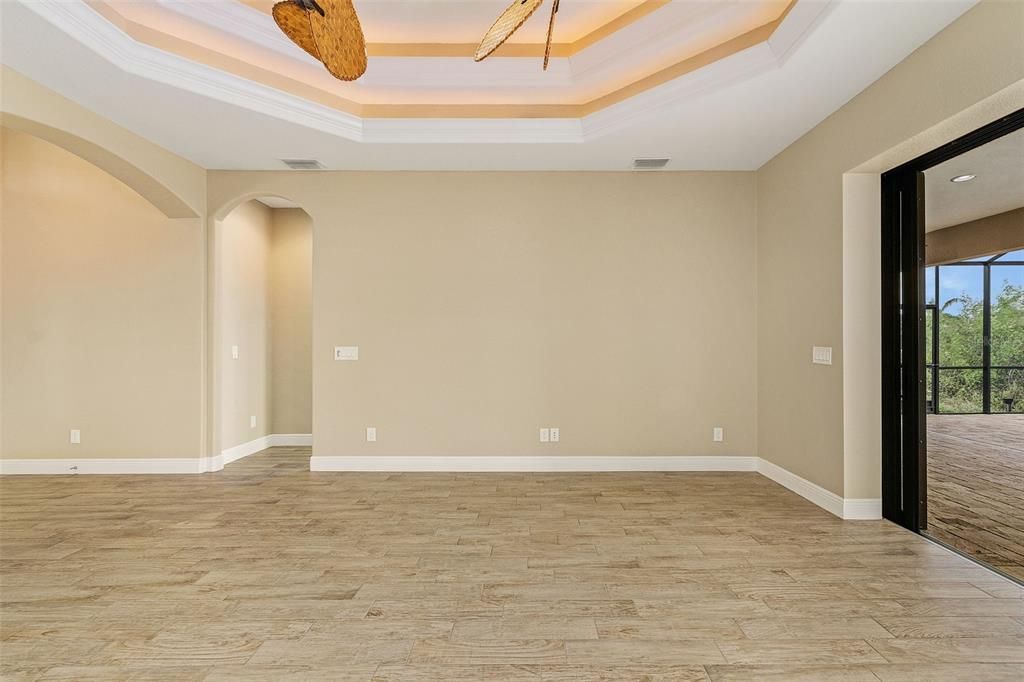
<point x="963" y="178"/>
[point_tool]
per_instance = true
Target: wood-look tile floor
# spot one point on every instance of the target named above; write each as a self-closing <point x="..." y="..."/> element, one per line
<point x="976" y="486"/>
<point x="266" y="571"/>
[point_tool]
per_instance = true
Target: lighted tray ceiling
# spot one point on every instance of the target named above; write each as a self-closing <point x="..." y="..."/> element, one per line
<point x="731" y="110"/>
<point x="421" y="62"/>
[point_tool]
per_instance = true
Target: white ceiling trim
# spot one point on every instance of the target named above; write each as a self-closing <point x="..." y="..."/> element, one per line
<point x="84" y="25"/>
<point x="87" y="27"/>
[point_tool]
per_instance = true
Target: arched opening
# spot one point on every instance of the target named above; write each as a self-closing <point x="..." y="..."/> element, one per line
<point x="262" y="333"/>
<point x="102" y="312"/>
<point x="148" y="187"/>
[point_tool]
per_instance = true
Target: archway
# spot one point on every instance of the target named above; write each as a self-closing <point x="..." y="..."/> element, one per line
<point x="261" y="324"/>
<point x="103" y="309"/>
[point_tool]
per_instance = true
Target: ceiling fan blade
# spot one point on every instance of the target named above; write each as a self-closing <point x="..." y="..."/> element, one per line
<point x="507" y="24"/>
<point x="293" y="20"/>
<point x="551" y="30"/>
<point x="339" y="39"/>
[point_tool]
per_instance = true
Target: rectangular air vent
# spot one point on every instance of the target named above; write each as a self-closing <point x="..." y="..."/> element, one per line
<point x="649" y="164"/>
<point x="303" y="164"/>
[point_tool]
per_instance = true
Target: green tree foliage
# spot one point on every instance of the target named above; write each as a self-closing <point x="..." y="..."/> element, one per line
<point x="961" y="321"/>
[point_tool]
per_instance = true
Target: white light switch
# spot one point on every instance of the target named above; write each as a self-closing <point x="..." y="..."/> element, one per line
<point x="252" y="422"/>
<point x="346" y="352"/>
<point x="76" y="436"/>
<point x="545" y="435"/>
<point x="821" y="355"/>
<point x="555" y="435"/>
<point x="371" y="434"/>
<point x="234" y="352"/>
<point x="718" y="435"/>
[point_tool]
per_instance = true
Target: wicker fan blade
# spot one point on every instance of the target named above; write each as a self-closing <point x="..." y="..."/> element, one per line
<point x="293" y="20"/>
<point x="507" y="24"/>
<point x="339" y="39"/>
<point x="551" y="30"/>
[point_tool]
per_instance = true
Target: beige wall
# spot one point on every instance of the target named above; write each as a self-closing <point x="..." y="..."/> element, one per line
<point x="243" y="308"/>
<point x="102" y="313"/>
<point x="619" y="307"/>
<point x="801" y="258"/>
<point x="981" y="237"/>
<point x="291" y="315"/>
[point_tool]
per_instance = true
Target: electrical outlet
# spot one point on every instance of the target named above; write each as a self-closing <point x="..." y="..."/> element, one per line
<point x="545" y="435"/>
<point x="252" y="422"/>
<point x="554" y="434"/>
<point x="821" y="355"/>
<point x="234" y="352"/>
<point x="371" y="434"/>
<point x="718" y="435"/>
<point x="76" y="436"/>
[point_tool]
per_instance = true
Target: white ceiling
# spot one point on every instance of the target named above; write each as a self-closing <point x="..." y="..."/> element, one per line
<point x="998" y="187"/>
<point x="733" y="115"/>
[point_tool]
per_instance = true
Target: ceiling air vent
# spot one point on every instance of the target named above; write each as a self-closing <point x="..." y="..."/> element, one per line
<point x="649" y="164"/>
<point x="303" y="164"/>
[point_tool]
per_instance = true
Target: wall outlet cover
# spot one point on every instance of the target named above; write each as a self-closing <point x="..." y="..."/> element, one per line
<point x="371" y="434"/>
<point x="555" y="434"/>
<point x="545" y="435"/>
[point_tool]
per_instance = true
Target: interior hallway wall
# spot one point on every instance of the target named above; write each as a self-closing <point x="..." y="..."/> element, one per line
<point x="265" y="307"/>
<point x="243" y="308"/>
<point x="102" y="313"/>
<point x="291" y="321"/>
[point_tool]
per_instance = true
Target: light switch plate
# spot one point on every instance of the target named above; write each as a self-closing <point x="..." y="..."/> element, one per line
<point x="252" y="422"/>
<point x="371" y="434"/>
<point x="821" y="355"/>
<point x="718" y="434"/>
<point x="346" y="352"/>
<point x="234" y="352"/>
<point x="76" y="436"/>
<point x="545" y="435"/>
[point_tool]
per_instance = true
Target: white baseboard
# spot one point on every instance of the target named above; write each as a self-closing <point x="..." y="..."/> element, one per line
<point x="850" y="509"/>
<point x="867" y="509"/>
<point x="529" y="463"/>
<point x="280" y="440"/>
<point x="853" y="509"/>
<point x="237" y="452"/>
<point x="825" y="499"/>
<point x="155" y="465"/>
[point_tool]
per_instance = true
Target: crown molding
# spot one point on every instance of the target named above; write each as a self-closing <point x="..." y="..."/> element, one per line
<point x="83" y="24"/>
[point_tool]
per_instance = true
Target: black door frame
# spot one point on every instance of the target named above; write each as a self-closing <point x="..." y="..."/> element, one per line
<point x="904" y="435"/>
